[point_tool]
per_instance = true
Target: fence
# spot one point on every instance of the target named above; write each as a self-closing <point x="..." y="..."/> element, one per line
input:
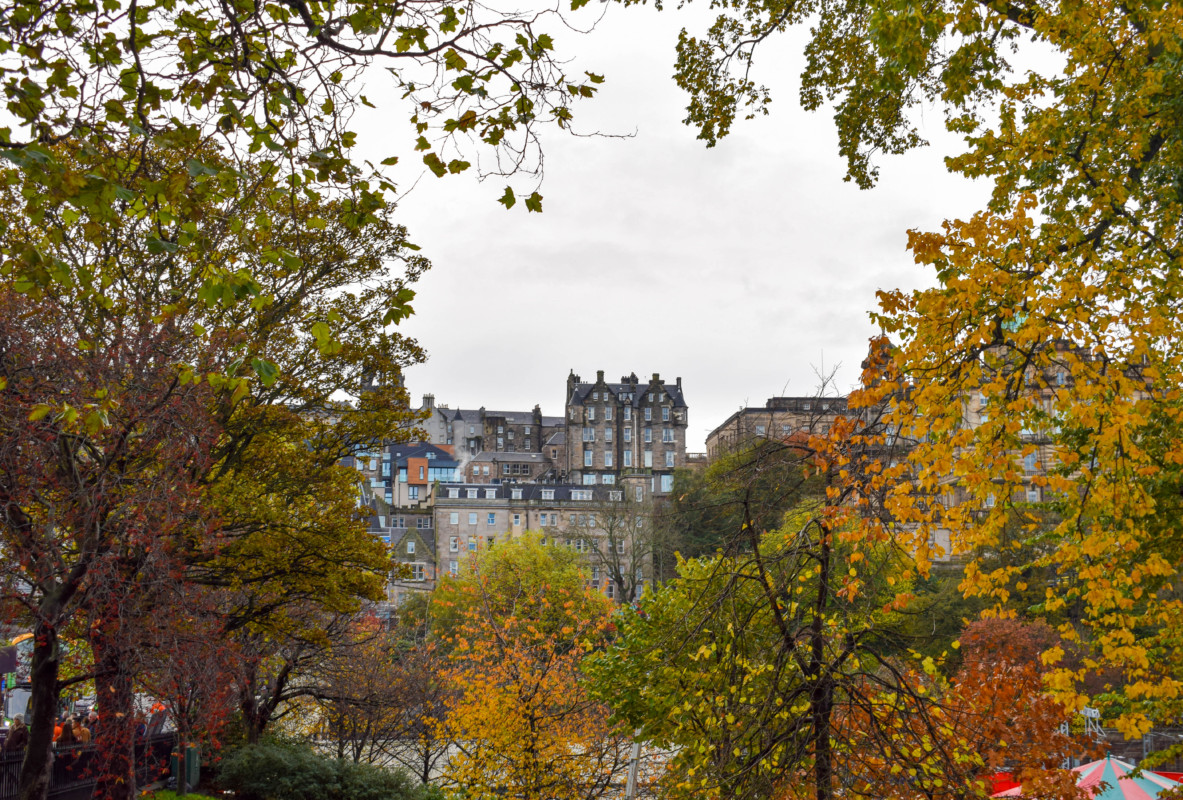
<point x="75" y="768"/>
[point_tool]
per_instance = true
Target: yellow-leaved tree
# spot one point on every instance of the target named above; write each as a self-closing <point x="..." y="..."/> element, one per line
<point x="520" y="621"/>
<point x="1039" y="380"/>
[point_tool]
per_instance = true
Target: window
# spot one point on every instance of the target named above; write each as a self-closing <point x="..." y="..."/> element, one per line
<point x="786" y="429"/>
<point x="648" y="435"/>
<point x="587" y="458"/>
<point x="472" y="518"/>
<point x="805" y="406"/>
<point x="648" y="458"/>
<point x="453" y="568"/>
<point x="608" y="413"/>
<point x="990" y="501"/>
<point x="640" y="493"/>
<point x="595" y="395"/>
<point x="1060" y="377"/>
<point x="413" y="492"/>
<point x="548" y="494"/>
<point x="526" y="430"/>
<point x="554" y="519"/>
<point x="500" y="442"/>
<point x="608" y="478"/>
<point x="505" y="469"/>
<point x="454" y="493"/>
<point x="417" y="573"/>
<point x="490" y="541"/>
<point x="620" y="547"/>
<point x="628" y="434"/>
<point x="628" y="458"/>
<point x="667" y="434"/>
<point x="648" y="414"/>
<point x="580" y="545"/>
<point x="628" y="413"/>
<point x="610" y="590"/>
<point x="517" y="520"/>
<point x="490" y="494"/>
<point x="591" y="415"/>
<point x="1032" y="494"/>
<point x="421" y="475"/>
<point x="471" y="430"/>
<point x="607" y="434"/>
<point x="1030" y="461"/>
<point x="607" y="458"/>
<point x="453" y="544"/>
<point x="501" y="429"/>
<point x="411" y="548"/>
<point x="760" y="430"/>
<point x="589" y="479"/>
<point x="589" y="434"/>
<point x="486" y="469"/>
<point x="667" y="483"/>
<point x="509" y="435"/>
<point x="423" y="522"/>
<point x="516" y="494"/>
<point x="616" y="497"/>
<point x="470" y="494"/>
<point x="669" y="458"/>
<point x="580" y="494"/>
<point x="527" y="442"/>
<point x="595" y="578"/>
<point x="665" y="414"/>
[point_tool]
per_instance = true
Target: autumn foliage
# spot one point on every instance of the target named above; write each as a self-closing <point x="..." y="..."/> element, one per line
<point x="521" y="716"/>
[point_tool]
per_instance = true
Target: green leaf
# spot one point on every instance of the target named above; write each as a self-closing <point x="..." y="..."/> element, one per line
<point x="507" y="199"/>
<point x="390" y="162"/>
<point x="456" y="166"/>
<point x="39" y="411"/>
<point x="435" y="165"/>
<point x="534" y="202"/>
<point x="266" y="371"/>
<point x="453" y="60"/>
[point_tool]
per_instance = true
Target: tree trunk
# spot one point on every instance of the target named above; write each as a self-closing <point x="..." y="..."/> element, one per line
<point x="115" y="697"/>
<point x="43" y="707"/>
<point x="821" y="701"/>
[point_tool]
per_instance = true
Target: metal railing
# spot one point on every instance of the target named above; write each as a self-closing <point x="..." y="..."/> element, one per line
<point x="76" y="767"/>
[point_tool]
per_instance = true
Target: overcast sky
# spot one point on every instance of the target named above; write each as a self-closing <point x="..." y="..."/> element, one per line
<point x="743" y="268"/>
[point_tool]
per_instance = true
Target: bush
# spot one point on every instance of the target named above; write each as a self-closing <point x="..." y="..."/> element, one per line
<point x="274" y="771"/>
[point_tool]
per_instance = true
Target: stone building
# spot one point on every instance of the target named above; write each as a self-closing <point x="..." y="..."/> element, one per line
<point x="627" y="432"/>
<point x="473" y="431"/>
<point x="472" y="517"/>
<point x="410" y="540"/>
<point x="778" y="419"/>
<point x="497" y="467"/>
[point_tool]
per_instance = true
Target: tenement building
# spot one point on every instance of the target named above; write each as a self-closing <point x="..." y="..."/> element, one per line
<point x="610" y="530"/>
<point x="779" y="418"/>
<point x="630" y="432"/>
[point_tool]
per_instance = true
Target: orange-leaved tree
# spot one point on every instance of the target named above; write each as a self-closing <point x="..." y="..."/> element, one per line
<point x="520" y="621"/>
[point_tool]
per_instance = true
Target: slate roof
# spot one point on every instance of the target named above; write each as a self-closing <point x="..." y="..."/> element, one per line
<point x="635" y="391"/>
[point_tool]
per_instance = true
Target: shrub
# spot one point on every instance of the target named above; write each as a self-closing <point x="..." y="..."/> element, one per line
<point x="274" y="771"/>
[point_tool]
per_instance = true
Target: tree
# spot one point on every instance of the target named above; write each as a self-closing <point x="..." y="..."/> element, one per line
<point x="93" y="485"/>
<point x="163" y="460"/>
<point x="1058" y="304"/>
<point x="521" y="718"/>
<point x="623" y="541"/>
<point x="466" y="75"/>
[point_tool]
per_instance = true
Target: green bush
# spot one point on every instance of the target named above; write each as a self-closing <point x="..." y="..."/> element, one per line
<point x="275" y="771"/>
